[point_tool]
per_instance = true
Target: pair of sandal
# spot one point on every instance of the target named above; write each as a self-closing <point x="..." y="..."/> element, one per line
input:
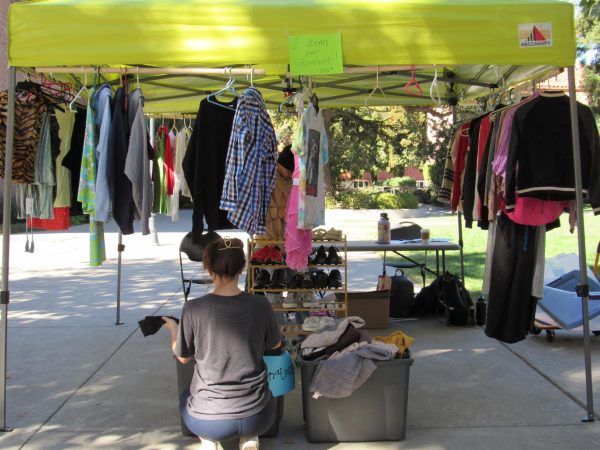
<point x="316" y="323"/>
<point x="327" y="235"/>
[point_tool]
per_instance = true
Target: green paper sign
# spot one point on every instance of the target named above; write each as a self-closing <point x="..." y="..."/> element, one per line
<point x="316" y="54"/>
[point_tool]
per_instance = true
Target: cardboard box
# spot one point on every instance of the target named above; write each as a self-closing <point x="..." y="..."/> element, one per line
<point x="372" y="306"/>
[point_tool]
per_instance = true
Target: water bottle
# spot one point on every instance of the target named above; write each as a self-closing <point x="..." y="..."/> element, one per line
<point x="480" y="311"/>
<point x="383" y="229"/>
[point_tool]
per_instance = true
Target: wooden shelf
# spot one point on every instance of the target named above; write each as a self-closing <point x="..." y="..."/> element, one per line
<point x="299" y="290"/>
<point x="291" y="330"/>
<point x="276" y="242"/>
<point x="332" y="306"/>
<point x="338" y="307"/>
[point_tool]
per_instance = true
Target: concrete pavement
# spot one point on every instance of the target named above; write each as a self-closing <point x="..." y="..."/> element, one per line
<point x="76" y="380"/>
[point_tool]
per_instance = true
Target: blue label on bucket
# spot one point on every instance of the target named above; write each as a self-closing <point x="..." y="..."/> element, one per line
<point x="281" y="373"/>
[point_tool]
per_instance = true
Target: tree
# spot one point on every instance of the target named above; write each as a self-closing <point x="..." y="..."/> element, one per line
<point x="373" y="140"/>
<point x="588" y="31"/>
<point x="358" y="143"/>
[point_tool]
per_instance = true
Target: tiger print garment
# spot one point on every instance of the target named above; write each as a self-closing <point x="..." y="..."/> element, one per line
<point x="29" y="107"/>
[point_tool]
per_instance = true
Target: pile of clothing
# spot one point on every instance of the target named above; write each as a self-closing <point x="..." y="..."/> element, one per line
<point x="347" y="356"/>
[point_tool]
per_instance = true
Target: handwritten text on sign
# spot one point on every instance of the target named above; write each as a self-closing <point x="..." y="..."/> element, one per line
<point x="316" y="54"/>
<point x="281" y="373"/>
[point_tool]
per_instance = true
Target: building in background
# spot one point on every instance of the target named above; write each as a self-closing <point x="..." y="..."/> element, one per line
<point x="560" y="82"/>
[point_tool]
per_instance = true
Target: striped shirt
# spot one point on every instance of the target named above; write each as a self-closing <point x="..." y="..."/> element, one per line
<point x="250" y="165"/>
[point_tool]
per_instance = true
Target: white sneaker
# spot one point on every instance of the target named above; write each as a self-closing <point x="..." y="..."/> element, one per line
<point x="326" y="322"/>
<point x="208" y="445"/>
<point x="250" y="444"/>
<point x="291" y="301"/>
<point x="311" y="304"/>
<point x="311" y="323"/>
<point x="309" y="300"/>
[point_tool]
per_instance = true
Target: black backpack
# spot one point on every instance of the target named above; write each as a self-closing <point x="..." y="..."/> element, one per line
<point x="402" y="295"/>
<point x="458" y="305"/>
<point x="427" y="301"/>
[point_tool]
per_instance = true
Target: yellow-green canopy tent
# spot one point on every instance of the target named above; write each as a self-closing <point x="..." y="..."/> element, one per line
<point x="476" y="45"/>
<point x="470" y="41"/>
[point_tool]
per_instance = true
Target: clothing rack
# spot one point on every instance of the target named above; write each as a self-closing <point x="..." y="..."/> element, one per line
<point x="153" y="70"/>
<point x="583" y="288"/>
<point x="171" y="116"/>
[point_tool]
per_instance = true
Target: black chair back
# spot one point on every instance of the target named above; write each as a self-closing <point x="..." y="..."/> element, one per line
<point x="406" y="230"/>
<point x="193" y="251"/>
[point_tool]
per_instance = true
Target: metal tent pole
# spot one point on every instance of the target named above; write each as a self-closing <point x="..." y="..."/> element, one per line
<point x="233" y="71"/>
<point x="460" y="243"/>
<point x="583" y="288"/>
<point x="4" y="293"/>
<point x="459" y="216"/>
<point x="120" y="248"/>
<point x="152" y="222"/>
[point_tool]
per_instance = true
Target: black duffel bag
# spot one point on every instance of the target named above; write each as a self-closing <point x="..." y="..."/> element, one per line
<point x="458" y="305"/>
<point x="446" y="295"/>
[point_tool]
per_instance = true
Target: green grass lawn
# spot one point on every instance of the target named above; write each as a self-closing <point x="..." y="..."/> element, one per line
<point x="558" y="241"/>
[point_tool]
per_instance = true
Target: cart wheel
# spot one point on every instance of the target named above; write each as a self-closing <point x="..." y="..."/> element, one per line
<point x="596" y="333"/>
<point x="535" y="331"/>
<point x="550" y="335"/>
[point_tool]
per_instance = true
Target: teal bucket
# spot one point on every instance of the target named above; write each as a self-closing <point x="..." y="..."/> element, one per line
<point x="281" y="373"/>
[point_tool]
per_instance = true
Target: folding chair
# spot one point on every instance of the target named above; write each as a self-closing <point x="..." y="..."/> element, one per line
<point x="194" y="252"/>
<point x="405" y="231"/>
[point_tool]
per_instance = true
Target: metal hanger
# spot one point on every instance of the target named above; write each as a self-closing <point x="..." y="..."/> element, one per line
<point x="251" y="76"/>
<point x="376" y="89"/>
<point x="290" y="102"/>
<point x="229" y="88"/>
<point x="83" y="88"/>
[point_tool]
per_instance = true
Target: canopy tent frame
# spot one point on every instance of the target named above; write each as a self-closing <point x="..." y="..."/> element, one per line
<point x="438" y="41"/>
<point x="4" y="293"/>
<point x="152" y="76"/>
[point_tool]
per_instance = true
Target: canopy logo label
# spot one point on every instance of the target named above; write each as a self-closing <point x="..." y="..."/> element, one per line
<point x="535" y="35"/>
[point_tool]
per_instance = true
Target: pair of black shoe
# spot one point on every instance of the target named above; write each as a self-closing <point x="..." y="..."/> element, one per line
<point x="333" y="280"/>
<point x="304" y="280"/>
<point x="329" y="257"/>
<point x="316" y="280"/>
<point x="278" y="280"/>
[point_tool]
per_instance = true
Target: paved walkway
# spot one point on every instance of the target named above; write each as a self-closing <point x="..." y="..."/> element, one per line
<point x="78" y="381"/>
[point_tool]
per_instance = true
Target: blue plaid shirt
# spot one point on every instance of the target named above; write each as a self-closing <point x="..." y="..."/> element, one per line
<point x="250" y="165"/>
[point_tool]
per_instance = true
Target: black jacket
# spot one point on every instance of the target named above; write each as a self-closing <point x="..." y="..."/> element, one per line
<point x="119" y="185"/>
<point x="204" y="166"/>
<point x="540" y="154"/>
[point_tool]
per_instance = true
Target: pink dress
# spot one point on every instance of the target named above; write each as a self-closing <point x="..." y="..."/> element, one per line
<point x="298" y="243"/>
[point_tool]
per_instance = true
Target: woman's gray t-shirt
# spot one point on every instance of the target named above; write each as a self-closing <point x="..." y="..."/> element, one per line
<point x="227" y="336"/>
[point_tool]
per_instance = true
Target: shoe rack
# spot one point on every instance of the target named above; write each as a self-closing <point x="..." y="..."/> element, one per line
<point x="338" y="307"/>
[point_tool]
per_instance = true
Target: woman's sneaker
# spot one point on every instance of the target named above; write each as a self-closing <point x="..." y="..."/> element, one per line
<point x="291" y="301"/>
<point x="249" y="444"/>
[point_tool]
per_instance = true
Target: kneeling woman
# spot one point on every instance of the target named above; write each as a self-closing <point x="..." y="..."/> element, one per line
<point x="226" y="333"/>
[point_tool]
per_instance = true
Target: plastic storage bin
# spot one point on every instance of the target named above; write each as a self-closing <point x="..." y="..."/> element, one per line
<point x="374" y="412"/>
<point x="184" y="378"/>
